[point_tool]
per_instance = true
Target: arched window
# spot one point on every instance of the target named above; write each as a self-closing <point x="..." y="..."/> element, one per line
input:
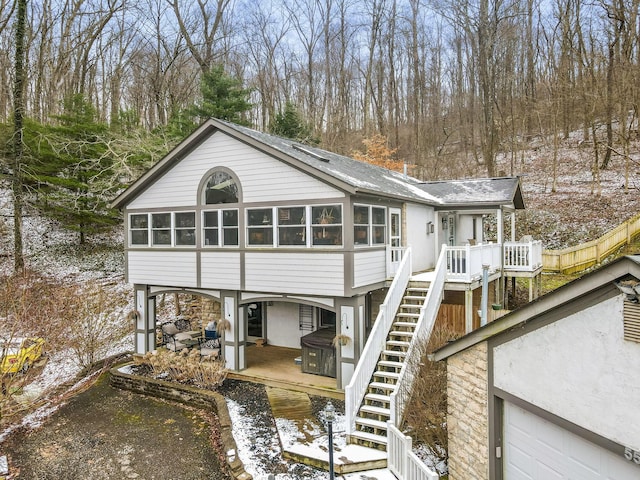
<point x="220" y="225"/>
<point x="221" y="187"/>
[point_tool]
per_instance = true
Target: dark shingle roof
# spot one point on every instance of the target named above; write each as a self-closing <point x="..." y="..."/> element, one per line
<point x="343" y="172"/>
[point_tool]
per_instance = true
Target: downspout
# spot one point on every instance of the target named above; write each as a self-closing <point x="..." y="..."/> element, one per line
<point x="485" y="294"/>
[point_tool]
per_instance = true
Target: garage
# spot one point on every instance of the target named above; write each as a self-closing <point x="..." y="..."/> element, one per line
<point x="536" y="449"/>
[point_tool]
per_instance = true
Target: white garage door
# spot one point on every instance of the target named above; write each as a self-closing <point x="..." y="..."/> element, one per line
<point x="535" y="449"/>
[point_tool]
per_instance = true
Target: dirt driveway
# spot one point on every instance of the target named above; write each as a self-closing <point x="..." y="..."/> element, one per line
<point x="104" y="433"/>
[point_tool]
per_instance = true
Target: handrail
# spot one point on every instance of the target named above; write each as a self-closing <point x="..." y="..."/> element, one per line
<point x="355" y="391"/>
<point x="464" y="263"/>
<point x="401" y="460"/>
<point x="523" y="256"/>
<point x="582" y="256"/>
<point x="422" y="332"/>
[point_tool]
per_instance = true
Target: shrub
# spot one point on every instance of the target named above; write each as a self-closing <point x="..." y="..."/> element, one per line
<point x="426" y="415"/>
<point x="186" y="367"/>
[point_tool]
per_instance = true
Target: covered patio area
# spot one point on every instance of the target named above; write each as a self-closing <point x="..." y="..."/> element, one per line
<point x="276" y="367"/>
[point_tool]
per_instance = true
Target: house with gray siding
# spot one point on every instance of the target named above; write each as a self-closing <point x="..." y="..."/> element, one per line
<point x="291" y="239"/>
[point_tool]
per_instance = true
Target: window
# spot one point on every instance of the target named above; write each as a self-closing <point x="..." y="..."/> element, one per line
<point x="230" y="228"/>
<point x="378" y="225"/>
<point x="260" y="226"/>
<point x="161" y="228"/>
<point x="369" y="225"/>
<point x="326" y="226"/>
<point x="361" y="225"/>
<point x="211" y="226"/>
<point x="139" y="229"/>
<point x="220" y="188"/>
<point x="327" y="318"/>
<point x="292" y="226"/>
<point x="185" y="228"/>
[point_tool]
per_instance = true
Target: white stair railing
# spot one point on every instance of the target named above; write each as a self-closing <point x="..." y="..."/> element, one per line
<point x="355" y="391"/>
<point x="428" y="313"/>
<point x="401" y="460"/>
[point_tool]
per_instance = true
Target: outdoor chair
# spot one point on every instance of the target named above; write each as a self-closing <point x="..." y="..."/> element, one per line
<point x="171" y="329"/>
<point x="183" y="340"/>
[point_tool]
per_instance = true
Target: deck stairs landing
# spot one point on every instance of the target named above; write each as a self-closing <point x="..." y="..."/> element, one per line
<point x="375" y="410"/>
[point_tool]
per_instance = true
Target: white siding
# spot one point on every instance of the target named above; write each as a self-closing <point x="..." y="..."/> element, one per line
<point x="369" y="267"/>
<point x="262" y="177"/>
<point x="220" y="270"/>
<point x="299" y="273"/>
<point x="579" y="368"/>
<point x="282" y="325"/>
<point x="162" y="268"/>
<point x="422" y="244"/>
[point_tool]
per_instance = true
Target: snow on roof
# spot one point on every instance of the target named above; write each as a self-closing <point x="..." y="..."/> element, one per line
<point x="503" y="190"/>
<point x="343" y="172"/>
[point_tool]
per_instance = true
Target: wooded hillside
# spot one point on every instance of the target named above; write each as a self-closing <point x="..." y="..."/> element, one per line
<point x="96" y="90"/>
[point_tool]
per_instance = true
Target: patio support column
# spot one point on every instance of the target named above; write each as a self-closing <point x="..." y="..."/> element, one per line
<point x="468" y="311"/>
<point x="234" y="339"/>
<point x="500" y="226"/>
<point x="145" y="320"/>
<point x="513" y="226"/>
<point x="351" y="325"/>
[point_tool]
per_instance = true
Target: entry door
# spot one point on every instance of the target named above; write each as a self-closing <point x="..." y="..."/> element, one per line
<point x="255" y="320"/>
<point x="395" y="238"/>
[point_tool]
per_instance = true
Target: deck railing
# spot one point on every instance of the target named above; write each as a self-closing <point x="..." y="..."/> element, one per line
<point x="354" y="392"/>
<point x="585" y="255"/>
<point x="401" y="460"/>
<point x="464" y="263"/>
<point x="428" y="313"/>
<point x="522" y="256"/>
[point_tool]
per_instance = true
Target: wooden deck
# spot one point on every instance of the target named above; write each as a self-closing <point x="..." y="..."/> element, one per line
<point x="275" y="367"/>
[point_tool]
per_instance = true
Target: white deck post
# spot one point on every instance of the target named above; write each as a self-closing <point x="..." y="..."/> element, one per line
<point x="145" y="320"/>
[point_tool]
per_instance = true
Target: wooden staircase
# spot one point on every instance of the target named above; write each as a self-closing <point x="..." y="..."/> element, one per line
<point x="374" y="412"/>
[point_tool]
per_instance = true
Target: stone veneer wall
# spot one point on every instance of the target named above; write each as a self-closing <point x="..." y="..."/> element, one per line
<point x="467" y="414"/>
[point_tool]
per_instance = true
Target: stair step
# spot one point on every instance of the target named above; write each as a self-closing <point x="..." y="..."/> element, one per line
<point x="390" y="364"/>
<point x="404" y="324"/>
<point x="369" y="437"/>
<point x="414" y="297"/>
<point x="394" y="353"/>
<point x="381" y="411"/>
<point x="398" y="343"/>
<point x="398" y="333"/>
<point x="371" y="423"/>
<point x="376" y="397"/>
<point x="418" y="289"/>
<point x="382" y="386"/>
<point x="388" y="375"/>
<point x="410" y="305"/>
<point x="407" y="315"/>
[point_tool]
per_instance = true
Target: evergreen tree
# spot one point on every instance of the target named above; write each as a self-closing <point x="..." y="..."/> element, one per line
<point x="72" y="169"/>
<point x="289" y="124"/>
<point x="223" y="97"/>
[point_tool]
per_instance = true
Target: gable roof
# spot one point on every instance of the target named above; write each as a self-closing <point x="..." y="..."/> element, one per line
<point x="600" y="279"/>
<point x="478" y="191"/>
<point x="343" y="172"/>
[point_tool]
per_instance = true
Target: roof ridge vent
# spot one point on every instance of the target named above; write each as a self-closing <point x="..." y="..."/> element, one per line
<point x="306" y="150"/>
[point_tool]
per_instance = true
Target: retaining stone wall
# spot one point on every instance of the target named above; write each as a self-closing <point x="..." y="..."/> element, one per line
<point x="204" y="399"/>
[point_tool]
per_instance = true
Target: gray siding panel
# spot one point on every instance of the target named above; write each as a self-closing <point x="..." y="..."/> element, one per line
<point x="220" y="270"/>
<point x="163" y="268"/>
<point x="369" y="267"/>
<point x="297" y="273"/>
<point x="263" y="178"/>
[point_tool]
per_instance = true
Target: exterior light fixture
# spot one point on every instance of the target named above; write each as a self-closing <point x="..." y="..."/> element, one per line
<point x="330" y="415"/>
